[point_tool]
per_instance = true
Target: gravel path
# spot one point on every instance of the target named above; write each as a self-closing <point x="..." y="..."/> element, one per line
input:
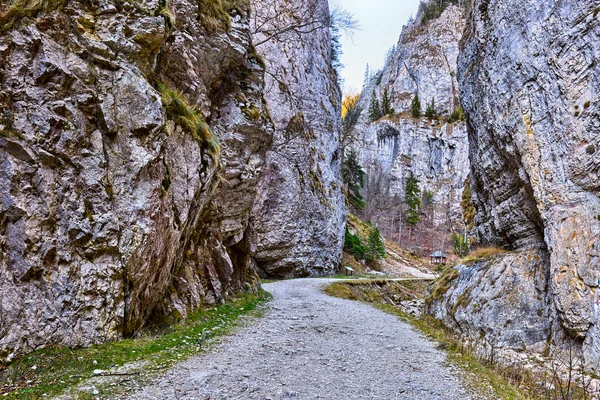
<point x="312" y="346"/>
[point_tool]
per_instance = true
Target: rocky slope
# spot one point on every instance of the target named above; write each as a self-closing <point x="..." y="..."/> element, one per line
<point x="436" y="152"/>
<point x="529" y="85"/>
<point x="132" y="140"/>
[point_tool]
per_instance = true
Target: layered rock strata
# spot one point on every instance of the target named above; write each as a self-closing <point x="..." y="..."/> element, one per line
<point x="529" y="85"/>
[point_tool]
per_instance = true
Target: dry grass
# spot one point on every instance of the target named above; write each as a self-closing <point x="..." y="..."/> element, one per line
<point x="481" y="254"/>
<point x="215" y="15"/>
<point x="379" y="291"/>
<point x="442" y="284"/>
<point x="490" y="380"/>
<point x="13" y="11"/>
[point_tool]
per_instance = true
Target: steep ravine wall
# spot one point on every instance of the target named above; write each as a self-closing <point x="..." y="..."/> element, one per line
<point x="435" y="152"/>
<point x="529" y="84"/>
<point x="118" y="209"/>
<point x="300" y="215"/>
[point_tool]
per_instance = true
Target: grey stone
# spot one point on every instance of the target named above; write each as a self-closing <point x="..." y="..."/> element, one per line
<point x="529" y="84"/>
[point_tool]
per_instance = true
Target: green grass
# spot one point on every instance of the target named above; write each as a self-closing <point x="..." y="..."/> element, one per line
<point x="479" y="375"/>
<point x="190" y="119"/>
<point x="51" y="371"/>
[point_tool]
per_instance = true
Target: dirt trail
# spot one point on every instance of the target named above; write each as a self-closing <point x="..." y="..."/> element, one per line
<point x="312" y="346"/>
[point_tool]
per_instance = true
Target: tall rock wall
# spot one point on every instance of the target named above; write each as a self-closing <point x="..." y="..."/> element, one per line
<point x="436" y="152"/>
<point x="529" y="85"/>
<point x="300" y="215"/>
<point x="133" y="136"/>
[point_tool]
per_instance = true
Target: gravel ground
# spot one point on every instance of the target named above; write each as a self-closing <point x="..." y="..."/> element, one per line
<point x="312" y="346"/>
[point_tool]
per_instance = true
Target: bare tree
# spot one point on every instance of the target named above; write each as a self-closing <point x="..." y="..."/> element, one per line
<point x="293" y="25"/>
<point x="281" y="20"/>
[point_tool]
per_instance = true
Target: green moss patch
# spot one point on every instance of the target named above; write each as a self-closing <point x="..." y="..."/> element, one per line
<point x="13" y="11"/>
<point x="51" y="371"/>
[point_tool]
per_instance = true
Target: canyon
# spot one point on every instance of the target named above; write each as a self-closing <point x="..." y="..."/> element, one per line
<point x="160" y="157"/>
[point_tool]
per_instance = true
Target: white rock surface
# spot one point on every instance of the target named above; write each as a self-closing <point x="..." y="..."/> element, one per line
<point x="424" y="62"/>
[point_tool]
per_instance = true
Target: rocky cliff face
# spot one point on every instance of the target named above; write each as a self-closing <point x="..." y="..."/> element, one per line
<point x="436" y="152"/>
<point x="529" y="85"/>
<point x="132" y="140"/>
<point x="300" y="215"/>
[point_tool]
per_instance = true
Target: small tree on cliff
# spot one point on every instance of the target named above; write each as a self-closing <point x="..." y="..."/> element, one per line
<point x="386" y="104"/>
<point x="431" y="112"/>
<point x="374" y="108"/>
<point x="353" y="177"/>
<point x="415" y="106"/>
<point x="375" y="246"/>
<point x="461" y="244"/>
<point x="412" y="198"/>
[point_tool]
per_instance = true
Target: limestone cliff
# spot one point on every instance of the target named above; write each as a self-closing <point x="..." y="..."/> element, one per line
<point x="132" y="140"/>
<point x="423" y="63"/>
<point x="529" y="86"/>
<point x="299" y="218"/>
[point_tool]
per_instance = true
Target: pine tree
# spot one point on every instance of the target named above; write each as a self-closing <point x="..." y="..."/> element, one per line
<point x="386" y="104"/>
<point x="415" y="106"/>
<point x="431" y="112"/>
<point x="354" y="246"/>
<point x="354" y="177"/>
<point x="336" y="50"/>
<point x="375" y="246"/>
<point x="367" y="78"/>
<point x="461" y="244"/>
<point x="412" y="198"/>
<point x="374" y="108"/>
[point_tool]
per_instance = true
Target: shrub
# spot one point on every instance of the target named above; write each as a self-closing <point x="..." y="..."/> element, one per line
<point x="461" y="244"/>
<point x="457" y="115"/>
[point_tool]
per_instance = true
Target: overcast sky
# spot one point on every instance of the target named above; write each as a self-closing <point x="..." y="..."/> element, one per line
<point x="381" y="22"/>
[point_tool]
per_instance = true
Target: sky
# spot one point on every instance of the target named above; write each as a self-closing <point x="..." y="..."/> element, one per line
<point x="380" y="22"/>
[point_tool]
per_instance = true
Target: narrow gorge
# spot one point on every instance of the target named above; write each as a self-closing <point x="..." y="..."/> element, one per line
<point x="162" y="160"/>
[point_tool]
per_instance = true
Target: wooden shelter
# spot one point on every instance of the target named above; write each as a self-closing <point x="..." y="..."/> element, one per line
<point x="438" y="258"/>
